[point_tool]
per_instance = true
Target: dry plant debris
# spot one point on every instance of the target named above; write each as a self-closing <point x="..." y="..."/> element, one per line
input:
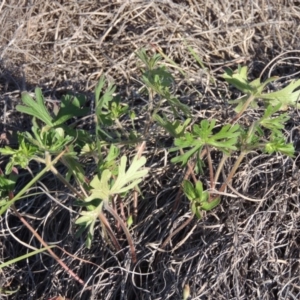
<point x="241" y="250"/>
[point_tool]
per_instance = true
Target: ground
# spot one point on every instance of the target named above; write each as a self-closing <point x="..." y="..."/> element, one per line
<point x="242" y="249"/>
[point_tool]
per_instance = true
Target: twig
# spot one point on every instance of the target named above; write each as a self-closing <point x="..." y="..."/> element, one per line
<point x="168" y="239"/>
<point x="72" y="274"/>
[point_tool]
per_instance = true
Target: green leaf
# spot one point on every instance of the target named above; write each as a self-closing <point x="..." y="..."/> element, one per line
<point x="175" y="128"/>
<point x="7" y="151"/>
<point x="275" y="124"/>
<point x="158" y="78"/>
<point x="150" y="62"/>
<point x="277" y="143"/>
<point x="99" y="88"/>
<point x="129" y="221"/>
<point x="74" y="168"/>
<point x="125" y="181"/>
<point x="103" y="102"/>
<point x="71" y="106"/>
<point x="6" y="184"/>
<point x="90" y="236"/>
<point x="287" y="96"/>
<point x="187" y="155"/>
<point x="199" y="191"/>
<point x="117" y="108"/>
<point x="239" y="80"/>
<point x="86" y="220"/>
<point x="101" y="188"/>
<point x="188" y="190"/>
<point x="36" y="108"/>
<point x="207" y="206"/>
<point x="225" y="140"/>
<point x="21" y="156"/>
<point x="196" y="210"/>
<point x="49" y="139"/>
<point x="3" y="202"/>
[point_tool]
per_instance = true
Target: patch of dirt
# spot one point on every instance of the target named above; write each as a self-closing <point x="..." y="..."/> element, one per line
<point x="243" y="249"/>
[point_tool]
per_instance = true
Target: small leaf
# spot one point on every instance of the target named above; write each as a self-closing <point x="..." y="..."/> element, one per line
<point x="37" y="108"/>
<point x="286" y="96"/>
<point x="239" y="79"/>
<point x="277" y="144"/>
<point x="133" y="176"/>
<point x="175" y="128"/>
<point x="129" y="221"/>
<point x="207" y="206"/>
<point x="188" y="189"/>
<point x="71" y="106"/>
<point x="199" y="189"/>
<point x="196" y="211"/>
<point x="87" y="219"/>
<point x="3" y="202"/>
<point x="99" y="88"/>
<point x="101" y="188"/>
<point x="275" y="124"/>
<point x="187" y="155"/>
<point x="125" y="181"/>
<point x="6" y="184"/>
<point x="7" y="151"/>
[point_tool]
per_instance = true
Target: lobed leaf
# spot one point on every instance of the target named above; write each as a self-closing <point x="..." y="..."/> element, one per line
<point x="36" y="108"/>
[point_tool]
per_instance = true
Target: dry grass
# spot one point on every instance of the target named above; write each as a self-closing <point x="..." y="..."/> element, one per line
<point x="244" y="249"/>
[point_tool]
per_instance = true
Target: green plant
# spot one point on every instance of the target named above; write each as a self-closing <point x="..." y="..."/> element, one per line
<point x="158" y="81"/>
<point x="106" y="186"/>
<point x="264" y="134"/>
<point x="199" y="198"/>
<point x="53" y="134"/>
<point x="54" y="139"/>
<point x="286" y="97"/>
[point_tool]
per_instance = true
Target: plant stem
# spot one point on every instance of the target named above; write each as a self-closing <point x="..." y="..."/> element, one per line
<point x="32" y="182"/>
<point x="64" y="181"/>
<point x="211" y="170"/>
<point x="233" y="170"/>
<point x="184" y="224"/>
<point x="101" y="216"/>
<point x="247" y="103"/>
<point x="125" y="229"/>
<point x="104" y="222"/>
<point x="220" y="167"/>
<point x="39" y="238"/>
<point x="189" y="171"/>
<point x="140" y="148"/>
